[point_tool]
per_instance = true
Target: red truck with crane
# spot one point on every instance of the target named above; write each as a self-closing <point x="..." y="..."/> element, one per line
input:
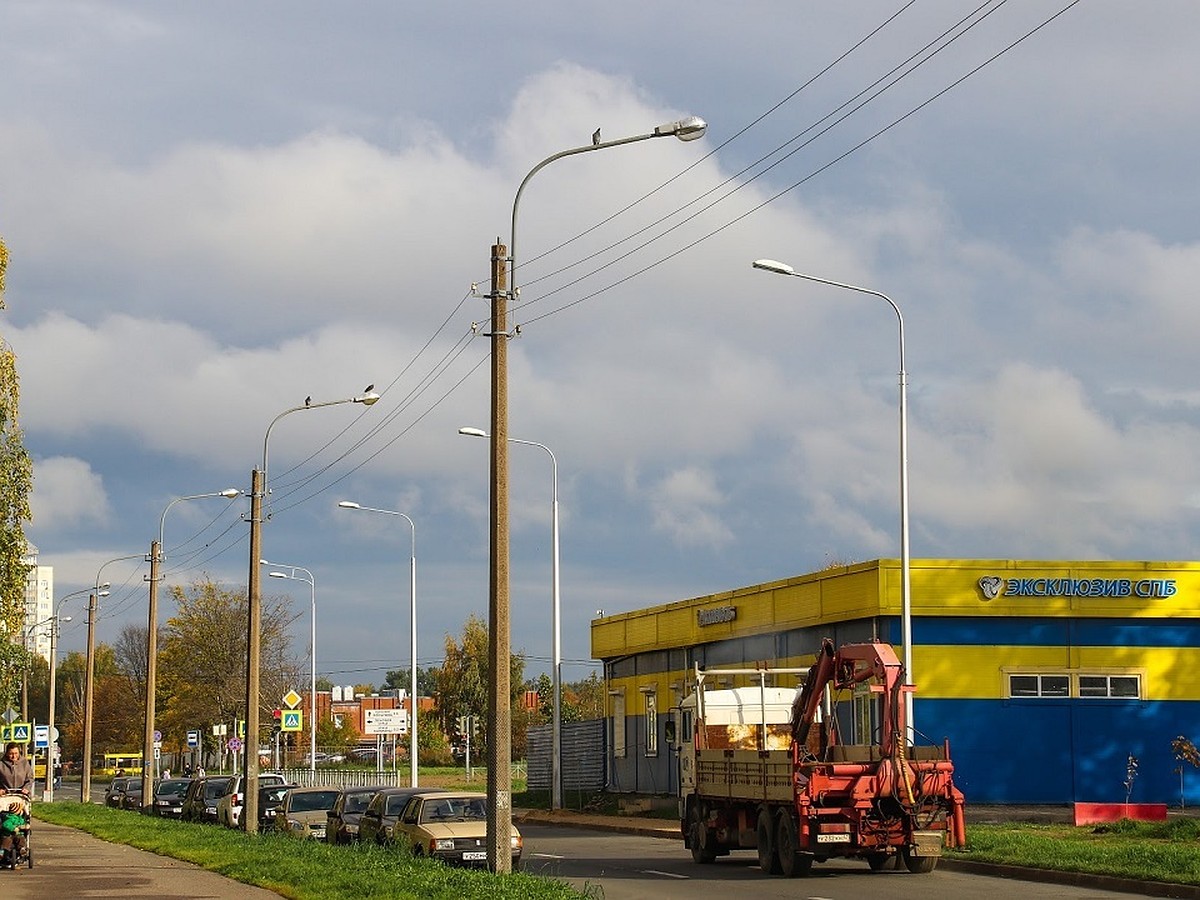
<point x="805" y="775"/>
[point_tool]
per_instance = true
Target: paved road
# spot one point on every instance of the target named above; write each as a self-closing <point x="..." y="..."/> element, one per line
<point x="633" y="867"/>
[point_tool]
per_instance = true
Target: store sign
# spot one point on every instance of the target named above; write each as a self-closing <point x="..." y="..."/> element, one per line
<point x="994" y="586"/>
<point x="716" y="616"/>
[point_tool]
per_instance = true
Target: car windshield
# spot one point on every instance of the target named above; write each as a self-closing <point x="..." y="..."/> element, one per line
<point x="395" y="805"/>
<point x="454" y="808"/>
<point x="215" y="789"/>
<point x="313" y="801"/>
<point x="172" y="788"/>
<point x="356" y="803"/>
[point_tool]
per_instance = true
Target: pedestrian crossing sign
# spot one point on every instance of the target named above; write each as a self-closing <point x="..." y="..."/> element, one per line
<point x="291" y="720"/>
<point x="20" y="732"/>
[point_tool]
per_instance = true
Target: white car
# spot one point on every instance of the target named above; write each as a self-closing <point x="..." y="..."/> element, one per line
<point x="229" y="806"/>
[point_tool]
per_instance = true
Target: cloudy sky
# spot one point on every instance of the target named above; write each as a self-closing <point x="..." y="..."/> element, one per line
<point x="217" y="210"/>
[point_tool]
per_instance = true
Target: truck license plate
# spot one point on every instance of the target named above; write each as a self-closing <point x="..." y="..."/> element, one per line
<point x="474" y="855"/>
<point x="833" y="838"/>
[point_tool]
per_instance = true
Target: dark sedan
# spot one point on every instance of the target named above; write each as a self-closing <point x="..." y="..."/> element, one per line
<point x="168" y="797"/>
<point x="347" y="810"/>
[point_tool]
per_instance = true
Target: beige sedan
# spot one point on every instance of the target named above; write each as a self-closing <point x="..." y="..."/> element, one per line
<point x="451" y="827"/>
<point x="303" y="812"/>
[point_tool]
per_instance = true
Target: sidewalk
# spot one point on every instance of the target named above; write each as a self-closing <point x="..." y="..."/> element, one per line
<point x="72" y="864"/>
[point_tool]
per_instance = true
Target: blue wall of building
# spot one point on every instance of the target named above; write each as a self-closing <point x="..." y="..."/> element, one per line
<point x="1063" y="750"/>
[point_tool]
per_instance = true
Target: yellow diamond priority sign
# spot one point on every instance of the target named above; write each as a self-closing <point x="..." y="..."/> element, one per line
<point x="291" y="720"/>
<point x="291" y="700"/>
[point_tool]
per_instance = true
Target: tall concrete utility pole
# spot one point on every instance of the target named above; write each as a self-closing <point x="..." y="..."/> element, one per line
<point x="499" y="753"/>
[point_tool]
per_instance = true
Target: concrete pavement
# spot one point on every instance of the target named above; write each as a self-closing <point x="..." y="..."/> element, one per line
<point x="72" y="864"/>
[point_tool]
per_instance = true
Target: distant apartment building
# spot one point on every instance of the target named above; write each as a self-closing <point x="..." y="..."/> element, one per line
<point x="39" y="604"/>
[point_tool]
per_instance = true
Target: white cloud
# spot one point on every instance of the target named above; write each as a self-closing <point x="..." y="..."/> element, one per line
<point x="686" y="505"/>
<point x="67" y="492"/>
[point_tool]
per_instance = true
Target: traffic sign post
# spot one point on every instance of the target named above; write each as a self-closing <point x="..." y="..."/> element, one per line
<point x="20" y="732"/>
<point x="291" y="720"/>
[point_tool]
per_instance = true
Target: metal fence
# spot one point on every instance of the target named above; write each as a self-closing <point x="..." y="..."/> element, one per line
<point x="583" y="755"/>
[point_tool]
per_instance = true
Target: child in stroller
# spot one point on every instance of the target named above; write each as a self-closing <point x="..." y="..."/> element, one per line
<point x="14" y="832"/>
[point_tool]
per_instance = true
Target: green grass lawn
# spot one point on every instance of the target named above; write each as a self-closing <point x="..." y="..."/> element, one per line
<point x="301" y="869"/>
<point x="1147" y="851"/>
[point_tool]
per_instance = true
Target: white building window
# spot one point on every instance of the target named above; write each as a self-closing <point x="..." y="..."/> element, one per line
<point x="618" y="704"/>
<point x="1055" y="685"/>
<point x="1112" y="687"/>
<point x="651" y="723"/>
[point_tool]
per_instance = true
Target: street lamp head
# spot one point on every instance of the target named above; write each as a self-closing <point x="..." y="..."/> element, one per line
<point x="686" y="129"/>
<point x="230" y="493"/>
<point x="473" y="432"/>
<point x="280" y="575"/>
<point x="104" y="587"/>
<point x="349" y="504"/>
<point x="367" y="399"/>
<point x="771" y="265"/>
<point x="64" y="618"/>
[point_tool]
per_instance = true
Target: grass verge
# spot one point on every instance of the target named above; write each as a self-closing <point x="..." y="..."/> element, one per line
<point x="301" y="870"/>
<point x="1147" y="851"/>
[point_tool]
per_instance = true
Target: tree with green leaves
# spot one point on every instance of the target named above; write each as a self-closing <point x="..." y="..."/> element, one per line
<point x="462" y="681"/>
<point x="202" y="662"/>
<point x="16" y="483"/>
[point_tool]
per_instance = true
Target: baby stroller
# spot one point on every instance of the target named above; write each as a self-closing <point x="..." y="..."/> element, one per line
<point x="14" y="833"/>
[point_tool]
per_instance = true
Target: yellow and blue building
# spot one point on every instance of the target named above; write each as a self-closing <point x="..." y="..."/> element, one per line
<point x="1046" y="677"/>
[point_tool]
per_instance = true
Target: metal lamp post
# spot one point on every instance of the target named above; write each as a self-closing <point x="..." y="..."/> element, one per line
<point x="779" y="268"/>
<point x="55" y="621"/>
<point x="311" y="581"/>
<point x="412" y="593"/>
<point x="155" y="559"/>
<point x="258" y="493"/>
<point x="499" y="787"/>
<point x="100" y="590"/>
<point x="556" y="786"/>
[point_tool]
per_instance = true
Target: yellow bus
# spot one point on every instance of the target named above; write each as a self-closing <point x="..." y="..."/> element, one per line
<point x="126" y="762"/>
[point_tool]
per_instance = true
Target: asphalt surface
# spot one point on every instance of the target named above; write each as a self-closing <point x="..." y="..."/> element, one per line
<point x="71" y="864"/>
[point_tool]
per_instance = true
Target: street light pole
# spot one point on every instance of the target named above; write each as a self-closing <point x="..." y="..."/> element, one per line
<point x="556" y="786"/>
<point x="258" y="492"/>
<point x="311" y="581"/>
<point x="155" y="559"/>
<point x="412" y="594"/>
<point x="499" y="787"/>
<point x="100" y="590"/>
<point x="779" y="268"/>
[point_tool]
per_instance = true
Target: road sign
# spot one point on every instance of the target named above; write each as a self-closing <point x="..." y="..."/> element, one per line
<point x="193" y="739"/>
<point x="41" y="737"/>
<point x="21" y="732"/>
<point x="385" y="721"/>
<point x="291" y="720"/>
<point x="291" y="699"/>
<point x="234" y="744"/>
<point x="10" y="715"/>
<point x="157" y="735"/>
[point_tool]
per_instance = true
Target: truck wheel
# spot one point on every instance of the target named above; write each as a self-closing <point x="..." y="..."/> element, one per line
<point x="792" y="861"/>
<point x="918" y="865"/>
<point x="877" y="861"/>
<point x="768" y="859"/>
<point x="700" y="839"/>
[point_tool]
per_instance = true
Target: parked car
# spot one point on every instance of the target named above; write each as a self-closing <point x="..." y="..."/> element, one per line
<point x="378" y="821"/>
<point x="451" y="827"/>
<point x="200" y="802"/>
<point x="131" y="797"/>
<point x="116" y="790"/>
<point x="342" y="820"/>
<point x="168" y="797"/>
<point x="229" y="804"/>
<point x="302" y="812"/>
<point x="270" y="798"/>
